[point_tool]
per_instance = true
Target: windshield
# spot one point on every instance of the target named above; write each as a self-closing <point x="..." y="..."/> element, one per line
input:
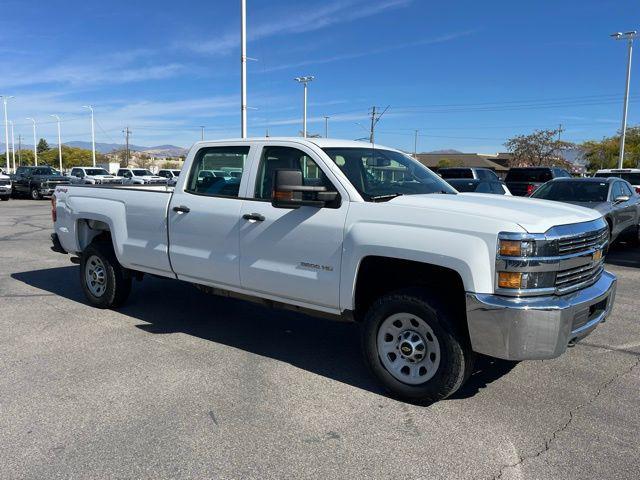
<point x="140" y="172"/>
<point x="576" y="191"/>
<point x="631" y="177"/>
<point x="96" y="171"/>
<point x="528" y="175"/>
<point x="455" y="173"/>
<point x="46" y="171"/>
<point x="384" y="174"/>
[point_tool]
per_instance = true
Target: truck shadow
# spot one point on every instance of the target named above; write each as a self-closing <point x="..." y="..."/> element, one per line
<point x="623" y="255"/>
<point x="323" y="347"/>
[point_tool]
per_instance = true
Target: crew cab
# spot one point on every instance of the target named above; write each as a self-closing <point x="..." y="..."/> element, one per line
<point x="356" y="232"/>
<point x="140" y="176"/>
<point x="37" y="182"/>
<point x="93" y="176"/>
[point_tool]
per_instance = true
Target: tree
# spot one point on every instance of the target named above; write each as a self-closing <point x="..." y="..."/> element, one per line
<point x="449" y="162"/>
<point x="538" y="149"/>
<point x="143" y="160"/>
<point x="606" y="153"/>
<point x="43" y="146"/>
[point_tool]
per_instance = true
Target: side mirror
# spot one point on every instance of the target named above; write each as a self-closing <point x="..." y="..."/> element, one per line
<point x="289" y="191"/>
<point x="621" y="199"/>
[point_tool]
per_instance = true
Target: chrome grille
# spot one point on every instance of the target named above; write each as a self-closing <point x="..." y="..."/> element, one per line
<point x="583" y="242"/>
<point x="55" y="183"/>
<point x="579" y="277"/>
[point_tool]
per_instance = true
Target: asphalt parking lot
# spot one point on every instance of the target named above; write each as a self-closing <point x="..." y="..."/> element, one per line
<point x="179" y="384"/>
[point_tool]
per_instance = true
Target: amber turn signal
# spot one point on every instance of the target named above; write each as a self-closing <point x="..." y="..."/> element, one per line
<point x="509" y="279"/>
<point x="510" y="248"/>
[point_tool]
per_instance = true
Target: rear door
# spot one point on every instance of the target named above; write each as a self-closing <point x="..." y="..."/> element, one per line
<point x="292" y="253"/>
<point x="205" y="216"/>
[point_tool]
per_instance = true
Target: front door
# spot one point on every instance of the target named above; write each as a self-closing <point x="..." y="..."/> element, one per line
<point x="205" y="215"/>
<point x="292" y="253"/>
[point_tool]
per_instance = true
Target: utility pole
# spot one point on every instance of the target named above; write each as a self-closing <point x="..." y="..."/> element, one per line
<point x="560" y="130"/>
<point x="374" y="121"/>
<point x="629" y="36"/>
<point x="201" y="132"/>
<point x="243" y="68"/>
<point x="304" y="81"/>
<point x="5" y="99"/>
<point x="35" y="142"/>
<point x="93" y="135"/>
<point x="19" y="149"/>
<point x="415" y="144"/>
<point x="326" y="127"/>
<point x="13" y="148"/>
<point x="59" y="142"/>
<point x="126" y="132"/>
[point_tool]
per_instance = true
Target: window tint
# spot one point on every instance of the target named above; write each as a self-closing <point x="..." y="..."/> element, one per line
<point x="573" y="191"/>
<point x="491" y="175"/>
<point x="456" y="173"/>
<point x="616" y="190"/>
<point x="483" y="187"/>
<point x="627" y="189"/>
<point x="529" y="175"/>
<point x="274" y="158"/>
<point x="497" y="188"/>
<point x="210" y="172"/>
<point x="463" y="185"/>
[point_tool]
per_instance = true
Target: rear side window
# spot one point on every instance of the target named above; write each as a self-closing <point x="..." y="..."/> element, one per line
<point x="529" y="175"/>
<point x="217" y="171"/>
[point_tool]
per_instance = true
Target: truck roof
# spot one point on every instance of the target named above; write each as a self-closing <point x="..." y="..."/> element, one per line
<point x="319" y="142"/>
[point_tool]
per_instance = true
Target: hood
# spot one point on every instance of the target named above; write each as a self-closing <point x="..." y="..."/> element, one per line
<point x="602" y="207"/>
<point x="534" y="215"/>
<point x="101" y="176"/>
<point x="52" y="177"/>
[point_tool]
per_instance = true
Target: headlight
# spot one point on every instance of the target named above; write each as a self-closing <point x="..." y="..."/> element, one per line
<point x="517" y="248"/>
<point x="526" y="280"/>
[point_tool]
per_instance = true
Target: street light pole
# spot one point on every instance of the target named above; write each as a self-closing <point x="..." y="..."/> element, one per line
<point x="59" y="142"/>
<point x="93" y="135"/>
<point x="243" y="68"/>
<point x="415" y="144"/>
<point x="629" y="36"/>
<point x="5" y="99"/>
<point x="35" y="145"/>
<point x="304" y="81"/>
<point x="202" y="132"/>
<point x="326" y="127"/>
<point x="13" y="148"/>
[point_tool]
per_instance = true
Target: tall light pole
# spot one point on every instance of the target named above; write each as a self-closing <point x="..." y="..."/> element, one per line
<point x="415" y="144"/>
<point x="326" y="126"/>
<point x="13" y="148"/>
<point x="628" y="36"/>
<point x="202" y="132"/>
<point x="35" y="144"/>
<point x="93" y="135"/>
<point x="304" y="81"/>
<point x="5" y="99"/>
<point x="243" y="68"/>
<point x="59" y="142"/>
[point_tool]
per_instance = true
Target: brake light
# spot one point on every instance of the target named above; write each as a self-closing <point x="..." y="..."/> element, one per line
<point x="54" y="215"/>
<point x="531" y="188"/>
<point x="638" y="190"/>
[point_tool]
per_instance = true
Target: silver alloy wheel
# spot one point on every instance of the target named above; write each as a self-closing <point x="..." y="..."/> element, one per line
<point x="408" y="348"/>
<point x="95" y="276"/>
<point x="35" y="194"/>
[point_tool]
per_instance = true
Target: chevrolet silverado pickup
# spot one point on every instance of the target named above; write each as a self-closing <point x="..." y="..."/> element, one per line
<point x="357" y="232"/>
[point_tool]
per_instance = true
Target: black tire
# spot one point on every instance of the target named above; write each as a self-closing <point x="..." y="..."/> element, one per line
<point x="634" y="240"/>
<point x="116" y="284"/>
<point x="455" y="354"/>
<point x="5" y="198"/>
<point x="35" y="194"/>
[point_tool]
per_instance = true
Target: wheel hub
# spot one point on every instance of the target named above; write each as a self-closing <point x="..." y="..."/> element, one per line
<point x="95" y="277"/>
<point x="411" y="345"/>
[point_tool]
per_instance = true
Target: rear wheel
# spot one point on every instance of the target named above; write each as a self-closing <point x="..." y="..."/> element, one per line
<point x="411" y="345"/>
<point x="104" y="281"/>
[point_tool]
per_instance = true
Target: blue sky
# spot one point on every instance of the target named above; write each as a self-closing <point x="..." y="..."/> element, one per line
<point x="466" y="74"/>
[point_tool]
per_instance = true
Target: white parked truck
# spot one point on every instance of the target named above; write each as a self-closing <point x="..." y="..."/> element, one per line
<point x="357" y="232"/>
<point x="93" y="176"/>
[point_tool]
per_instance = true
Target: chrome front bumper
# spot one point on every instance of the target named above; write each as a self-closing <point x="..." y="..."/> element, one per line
<point x="537" y="327"/>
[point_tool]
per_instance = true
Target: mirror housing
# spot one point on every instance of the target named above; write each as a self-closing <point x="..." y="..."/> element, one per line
<point x="289" y="191"/>
<point x="621" y="198"/>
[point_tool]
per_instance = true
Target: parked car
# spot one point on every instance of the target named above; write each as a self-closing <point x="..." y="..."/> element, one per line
<point x="523" y="181"/>
<point x="631" y="175"/>
<point x="614" y="198"/>
<point x="140" y="176"/>
<point x="170" y="174"/>
<point x="5" y="187"/>
<point x="93" y="176"/>
<point x="342" y="230"/>
<point x="479" y="186"/>
<point x="37" y="182"/>
<point x="468" y="173"/>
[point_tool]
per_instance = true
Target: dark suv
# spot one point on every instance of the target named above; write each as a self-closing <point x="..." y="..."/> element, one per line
<point x="523" y="181"/>
<point x="37" y="182"/>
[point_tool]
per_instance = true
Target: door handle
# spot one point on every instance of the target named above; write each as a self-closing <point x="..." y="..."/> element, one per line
<point x="181" y="209"/>
<point x="253" y="216"/>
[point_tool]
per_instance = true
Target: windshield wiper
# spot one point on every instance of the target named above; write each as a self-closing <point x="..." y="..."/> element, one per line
<point x="383" y="198"/>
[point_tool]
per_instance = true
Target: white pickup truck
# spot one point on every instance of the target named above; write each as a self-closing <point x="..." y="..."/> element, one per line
<point x="356" y="232"/>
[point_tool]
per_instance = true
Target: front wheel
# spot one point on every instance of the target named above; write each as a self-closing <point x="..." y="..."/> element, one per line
<point x="411" y="345"/>
<point x="5" y="198"/>
<point x="35" y="194"/>
<point x="104" y="281"/>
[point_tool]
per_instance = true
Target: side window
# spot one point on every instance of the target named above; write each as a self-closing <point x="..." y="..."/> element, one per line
<point x="496" y="187"/>
<point x="616" y="190"/>
<point x="627" y="190"/>
<point x="274" y="158"/>
<point x="121" y="173"/>
<point x="483" y="187"/>
<point x="211" y="171"/>
<point x="492" y="176"/>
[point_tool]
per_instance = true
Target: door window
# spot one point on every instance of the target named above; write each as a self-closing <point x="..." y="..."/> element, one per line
<point x="217" y="171"/>
<point x="616" y="190"/>
<point x="275" y="158"/>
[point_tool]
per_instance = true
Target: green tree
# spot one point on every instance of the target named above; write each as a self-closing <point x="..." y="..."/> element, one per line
<point x="540" y="148"/>
<point x="449" y="162"/>
<point x="43" y="146"/>
<point x="606" y="152"/>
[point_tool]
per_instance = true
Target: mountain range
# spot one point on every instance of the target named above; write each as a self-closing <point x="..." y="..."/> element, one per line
<point x="157" y="151"/>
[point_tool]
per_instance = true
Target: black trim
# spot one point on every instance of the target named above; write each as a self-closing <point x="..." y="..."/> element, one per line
<point x="57" y="246"/>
